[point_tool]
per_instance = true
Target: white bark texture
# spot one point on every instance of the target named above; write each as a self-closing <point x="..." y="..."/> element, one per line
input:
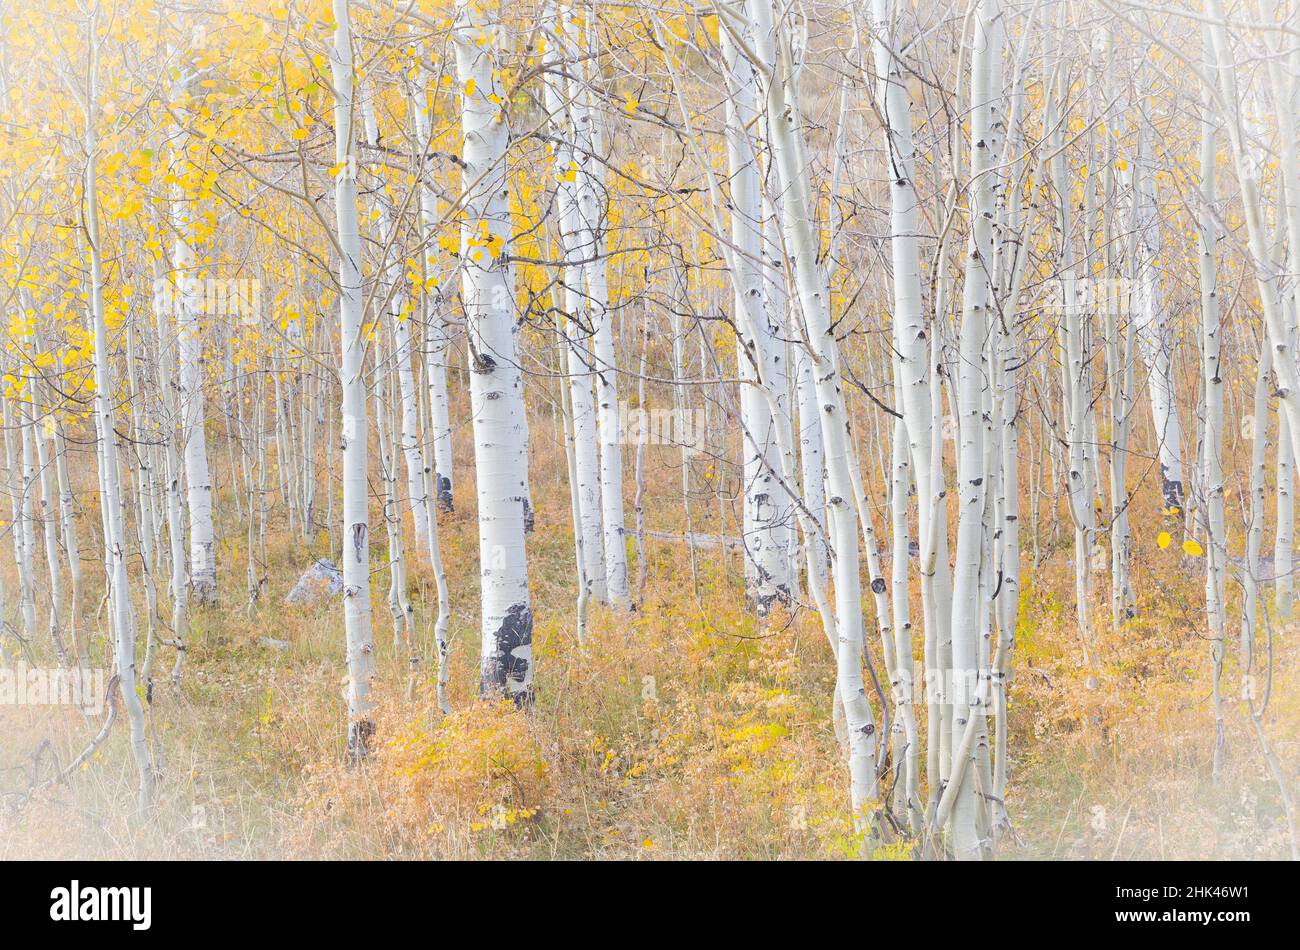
<point x="356" y="518"/>
<point x="496" y="383"/>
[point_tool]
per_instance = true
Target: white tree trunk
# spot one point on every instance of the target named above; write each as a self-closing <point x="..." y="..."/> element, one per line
<point x="71" y="543"/>
<point x="179" y="567"/>
<point x="437" y="341"/>
<point x="1154" y="336"/>
<point x="115" y="549"/>
<point x="496" y="384"/>
<point x="813" y="293"/>
<point x="356" y="516"/>
<point x="759" y="351"/>
<point x="971" y="469"/>
<point x="593" y="204"/>
<point x="578" y="308"/>
<point x="400" y="317"/>
<point x="1212" y="444"/>
<point x="188" y="301"/>
<point x="1247" y="167"/>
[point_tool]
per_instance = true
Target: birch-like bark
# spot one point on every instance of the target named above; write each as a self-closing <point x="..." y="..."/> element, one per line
<point x="766" y="529"/>
<point x="911" y="348"/>
<point x="571" y="186"/>
<point x="1248" y="176"/>
<point x="68" y="532"/>
<point x="1212" y="443"/>
<point x="399" y="603"/>
<point x="399" y="313"/>
<point x="1077" y="400"/>
<point x="442" y="623"/>
<point x="24" y="528"/>
<point x="1154" y="335"/>
<point x="773" y="59"/>
<point x="1250" y="586"/>
<point x="571" y="461"/>
<point x="356" y="518"/>
<point x="1282" y="85"/>
<point x="179" y="567"/>
<point x="188" y="302"/>
<point x="593" y="201"/>
<point x="1119" y="347"/>
<point x="143" y="514"/>
<point x="436" y="413"/>
<point x="496" y="383"/>
<point x="1284" y="539"/>
<point x="437" y="334"/>
<point x="972" y="375"/>
<point x="115" y="553"/>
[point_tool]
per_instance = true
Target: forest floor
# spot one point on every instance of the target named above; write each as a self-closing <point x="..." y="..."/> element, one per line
<point x="684" y="730"/>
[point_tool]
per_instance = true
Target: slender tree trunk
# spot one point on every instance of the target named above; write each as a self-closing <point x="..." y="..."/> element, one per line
<point x="765" y="528"/>
<point x="496" y="383"/>
<point x="356" y="516"/>
<point x="774" y="60"/>
<point x="437" y="334"/>
<point x="971" y="472"/>
<point x="1212" y="444"/>
<point x="189" y="302"/>
<point x="115" y="553"/>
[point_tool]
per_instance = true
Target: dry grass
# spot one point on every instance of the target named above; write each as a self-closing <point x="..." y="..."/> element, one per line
<point x="685" y="730"/>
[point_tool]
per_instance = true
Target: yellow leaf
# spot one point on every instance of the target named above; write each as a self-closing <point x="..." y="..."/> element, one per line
<point x="1192" y="548"/>
<point x="469" y="87"/>
<point x="1163" y="539"/>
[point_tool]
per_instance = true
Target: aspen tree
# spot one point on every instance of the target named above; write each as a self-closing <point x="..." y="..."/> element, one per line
<point x="971" y="379"/>
<point x="765" y="533"/>
<point x="400" y="321"/>
<point x="356" y="517"/>
<point x="1282" y="86"/>
<point x="772" y="57"/>
<point x="438" y="483"/>
<point x="1153" y="332"/>
<point x="593" y="204"/>
<point x="143" y="516"/>
<point x="912" y="369"/>
<point x="1246" y="166"/>
<point x="1212" y="444"/>
<point x="1074" y="352"/>
<point x="496" y="383"/>
<point x="22" y="465"/>
<point x="1118" y="342"/>
<point x="178" y="582"/>
<point x="437" y="334"/>
<point x="399" y="604"/>
<point x="580" y="317"/>
<point x="188" y="303"/>
<point x="115" y="553"/>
